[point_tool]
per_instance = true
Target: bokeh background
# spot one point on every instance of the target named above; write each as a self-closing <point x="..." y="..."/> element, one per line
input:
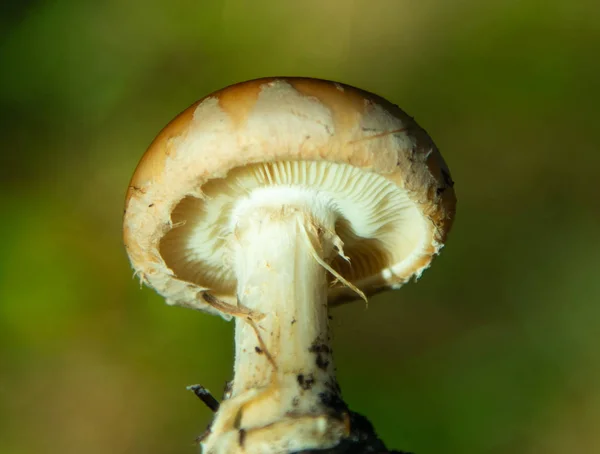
<point x="494" y="350"/>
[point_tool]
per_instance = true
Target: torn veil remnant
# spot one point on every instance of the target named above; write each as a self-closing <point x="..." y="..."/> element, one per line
<point x="270" y="201"/>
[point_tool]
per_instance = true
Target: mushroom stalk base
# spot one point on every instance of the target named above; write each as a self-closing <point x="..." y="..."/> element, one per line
<point x="284" y="396"/>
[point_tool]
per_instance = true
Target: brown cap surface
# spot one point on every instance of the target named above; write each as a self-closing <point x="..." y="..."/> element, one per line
<point x="287" y="120"/>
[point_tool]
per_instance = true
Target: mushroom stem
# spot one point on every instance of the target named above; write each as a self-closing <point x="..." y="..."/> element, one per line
<point x="284" y="389"/>
<point x="278" y="276"/>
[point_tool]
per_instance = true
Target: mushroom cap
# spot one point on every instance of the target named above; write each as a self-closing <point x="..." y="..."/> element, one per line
<point x="297" y="122"/>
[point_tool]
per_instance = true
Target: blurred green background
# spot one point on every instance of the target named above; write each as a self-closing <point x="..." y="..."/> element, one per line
<point x="494" y="350"/>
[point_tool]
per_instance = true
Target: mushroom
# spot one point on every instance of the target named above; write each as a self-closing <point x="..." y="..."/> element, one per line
<point x="271" y="201"/>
